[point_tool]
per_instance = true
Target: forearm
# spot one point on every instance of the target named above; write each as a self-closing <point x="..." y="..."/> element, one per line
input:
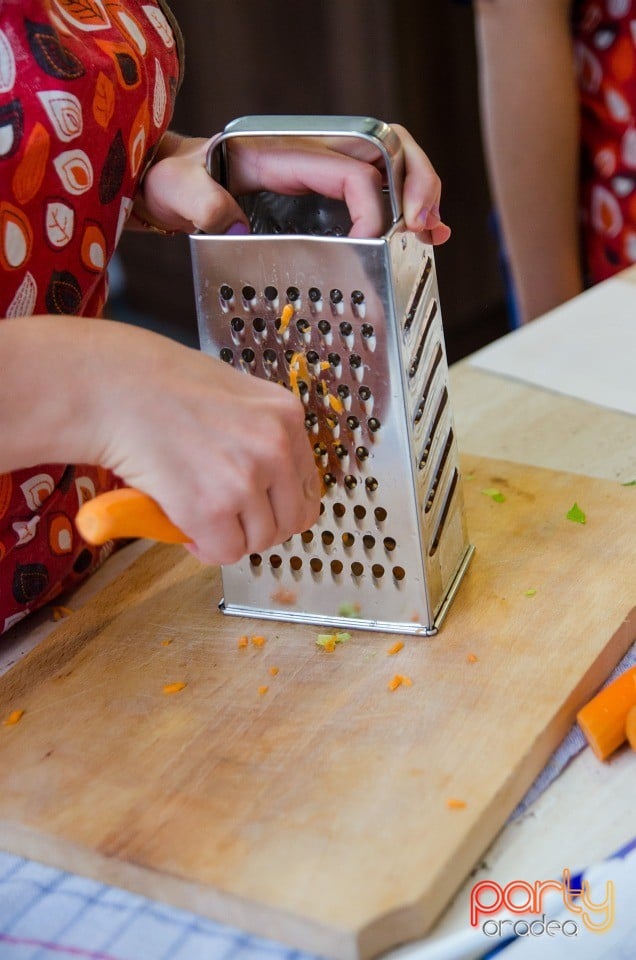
<point x="530" y="122"/>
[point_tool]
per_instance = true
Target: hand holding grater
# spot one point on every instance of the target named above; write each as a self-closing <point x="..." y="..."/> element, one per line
<point x="354" y="328"/>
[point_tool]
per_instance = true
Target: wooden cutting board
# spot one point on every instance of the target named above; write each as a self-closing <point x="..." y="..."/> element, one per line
<point x="316" y="812"/>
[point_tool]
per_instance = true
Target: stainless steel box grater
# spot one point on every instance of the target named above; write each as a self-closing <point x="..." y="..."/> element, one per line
<point x="365" y="352"/>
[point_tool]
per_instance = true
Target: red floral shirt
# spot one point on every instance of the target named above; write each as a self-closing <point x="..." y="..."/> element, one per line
<point x="605" y="51"/>
<point x="87" y="89"/>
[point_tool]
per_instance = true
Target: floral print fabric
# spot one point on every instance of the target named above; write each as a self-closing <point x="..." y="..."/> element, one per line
<point x="605" y="53"/>
<point x="87" y="89"/>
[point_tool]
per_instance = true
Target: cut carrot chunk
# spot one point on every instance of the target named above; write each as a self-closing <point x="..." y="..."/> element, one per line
<point x="603" y="719"/>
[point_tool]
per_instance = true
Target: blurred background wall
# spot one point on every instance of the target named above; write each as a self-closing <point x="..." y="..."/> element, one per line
<point x="407" y="61"/>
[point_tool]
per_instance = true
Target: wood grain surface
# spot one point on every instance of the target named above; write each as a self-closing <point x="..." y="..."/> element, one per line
<point x="316" y="812"/>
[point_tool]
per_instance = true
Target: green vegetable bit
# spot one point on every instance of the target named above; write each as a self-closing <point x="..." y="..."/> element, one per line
<point x="576" y="514"/>
<point x="530" y="593"/>
<point x="494" y="494"/>
<point x="629" y="483"/>
<point x="325" y="638"/>
<point x="348" y="610"/>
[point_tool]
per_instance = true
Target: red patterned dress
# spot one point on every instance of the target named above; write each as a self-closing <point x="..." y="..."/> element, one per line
<point x="605" y="51"/>
<point x="87" y="89"/>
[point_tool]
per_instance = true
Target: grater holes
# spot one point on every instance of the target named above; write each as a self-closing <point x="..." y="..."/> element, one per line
<point x="343" y="391"/>
<point x="324" y="327"/>
<point x="364" y="392"/>
<point x="302" y="326"/>
<point x="336" y="301"/>
<point x="327" y="538"/>
<point x="226" y="355"/>
<point x="399" y="573"/>
<point x="357" y="568"/>
<point x="296" y="563"/>
<point x="307" y="536"/>
<point x="389" y="544"/>
<point x="249" y="296"/>
<point x="371" y="484"/>
<point x="373" y="424"/>
<point x="259" y="324"/>
<point x="311" y="421"/>
<point x="293" y="294"/>
<point x="329" y="480"/>
<point x="353" y="423"/>
<point x="362" y="454"/>
<point x="271" y="294"/>
<point x="380" y="514"/>
<point x="315" y="296"/>
<point x="226" y="293"/>
<point x="358" y="305"/>
<point x="346" y="329"/>
<point x="341" y="451"/>
<point x="337" y="567"/>
<point x="255" y="559"/>
<point x="350" y="481"/>
<point x="315" y="565"/>
<point x="359" y="511"/>
<point x="369" y="541"/>
<point x="322" y="508"/>
<point x="437" y="359"/>
<point x="339" y="510"/>
<point x="275" y="561"/>
<point x="367" y="331"/>
<point x="348" y="540"/>
<point x="357" y="297"/>
<point x="377" y="570"/>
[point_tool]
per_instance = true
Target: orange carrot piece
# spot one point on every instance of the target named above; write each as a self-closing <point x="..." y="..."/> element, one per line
<point x="284" y="596"/>
<point x="453" y="804"/>
<point x="335" y="403"/>
<point x="603" y="719"/>
<point x="263" y="690"/>
<point x="397" y="646"/>
<point x="59" y="613"/>
<point x="258" y="641"/>
<point x="472" y="658"/>
<point x="630" y="728"/>
<point x="400" y="680"/>
<point x="242" y="642"/>
<point x="174" y="687"/>
<point x="14" y="717"/>
<point x="166" y="643"/>
<point x="273" y="671"/>
<point x="329" y="646"/>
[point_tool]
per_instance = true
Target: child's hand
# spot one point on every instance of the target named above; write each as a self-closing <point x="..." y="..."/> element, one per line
<point x="179" y="194"/>
<point x="225" y="455"/>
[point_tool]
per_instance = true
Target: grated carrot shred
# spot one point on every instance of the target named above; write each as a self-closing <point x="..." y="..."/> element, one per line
<point x="273" y="671"/>
<point x="329" y="646"/>
<point x="14" y="717"/>
<point x="335" y="403"/>
<point x="453" y="804"/>
<point x="397" y="646"/>
<point x="400" y="680"/>
<point x="166" y="643"/>
<point x="258" y="641"/>
<point x="284" y="596"/>
<point x="472" y="658"/>
<point x="174" y="687"/>
<point x="242" y="642"/>
<point x="263" y="690"/>
<point x="285" y="317"/>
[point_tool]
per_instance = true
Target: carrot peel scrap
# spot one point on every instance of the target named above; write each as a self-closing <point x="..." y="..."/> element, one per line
<point x="14" y="717"/>
<point x="174" y="687"/>
<point x="397" y="646"/>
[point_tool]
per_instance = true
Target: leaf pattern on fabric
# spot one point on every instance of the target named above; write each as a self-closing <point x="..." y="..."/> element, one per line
<point x="63" y="294"/>
<point x="11" y="128"/>
<point x="104" y="100"/>
<point x="31" y="169"/>
<point x="113" y="171"/>
<point x="50" y="54"/>
<point x="87" y="14"/>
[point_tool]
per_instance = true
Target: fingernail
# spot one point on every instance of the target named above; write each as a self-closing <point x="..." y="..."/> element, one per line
<point x="238" y="229"/>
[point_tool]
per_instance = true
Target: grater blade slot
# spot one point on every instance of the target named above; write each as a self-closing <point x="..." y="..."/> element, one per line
<point x="417" y="296"/>
<point x="437" y="536"/>
<point x="419" y="352"/>
<point x="426" y="449"/>
<point x="437" y="359"/>
<point x="441" y="463"/>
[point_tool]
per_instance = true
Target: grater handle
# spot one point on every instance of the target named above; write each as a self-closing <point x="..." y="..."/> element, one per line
<point x="377" y="132"/>
<point x="124" y="513"/>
